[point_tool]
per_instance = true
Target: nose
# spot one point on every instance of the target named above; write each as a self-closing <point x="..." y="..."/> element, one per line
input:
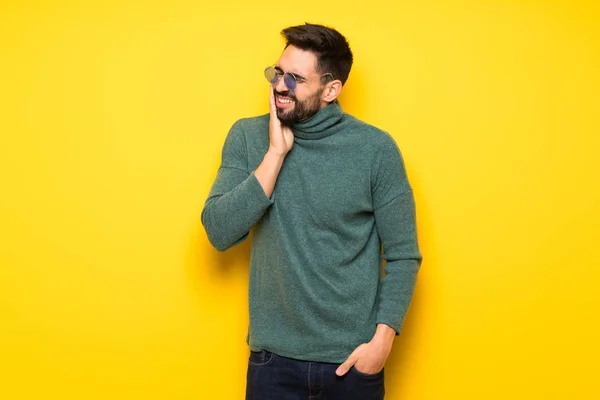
<point x="280" y="85"/>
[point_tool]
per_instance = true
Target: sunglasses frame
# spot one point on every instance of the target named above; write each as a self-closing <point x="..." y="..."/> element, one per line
<point x="290" y="79"/>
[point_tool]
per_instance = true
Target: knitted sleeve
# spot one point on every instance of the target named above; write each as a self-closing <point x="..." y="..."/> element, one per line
<point x="236" y="200"/>
<point x="394" y="206"/>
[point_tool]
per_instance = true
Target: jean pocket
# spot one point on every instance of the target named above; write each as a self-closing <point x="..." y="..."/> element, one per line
<point x="365" y="375"/>
<point x="260" y="358"/>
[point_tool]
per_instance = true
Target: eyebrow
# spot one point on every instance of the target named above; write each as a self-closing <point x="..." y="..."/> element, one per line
<point x="278" y="68"/>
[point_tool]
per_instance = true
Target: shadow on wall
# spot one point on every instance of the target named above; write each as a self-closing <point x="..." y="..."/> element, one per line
<point x="352" y="98"/>
<point x="397" y="367"/>
<point x="209" y="269"/>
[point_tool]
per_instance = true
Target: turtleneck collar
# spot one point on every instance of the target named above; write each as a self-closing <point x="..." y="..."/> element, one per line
<point x="325" y="122"/>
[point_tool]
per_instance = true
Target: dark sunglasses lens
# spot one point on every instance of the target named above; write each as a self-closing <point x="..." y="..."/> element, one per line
<point x="271" y="75"/>
<point x="289" y="81"/>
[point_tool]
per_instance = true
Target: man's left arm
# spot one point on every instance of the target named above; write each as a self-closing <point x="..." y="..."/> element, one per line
<point x="396" y="226"/>
<point x="394" y="211"/>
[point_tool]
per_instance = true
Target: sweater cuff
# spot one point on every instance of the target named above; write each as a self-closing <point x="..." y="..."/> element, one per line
<point x="388" y="322"/>
<point x="257" y="192"/>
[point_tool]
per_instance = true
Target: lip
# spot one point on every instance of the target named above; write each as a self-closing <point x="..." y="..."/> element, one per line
<point x="283" y="105"/>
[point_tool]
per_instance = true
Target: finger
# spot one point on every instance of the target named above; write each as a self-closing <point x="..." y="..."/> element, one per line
<point x="273" y="108"/>
<point x="346" y="365"/>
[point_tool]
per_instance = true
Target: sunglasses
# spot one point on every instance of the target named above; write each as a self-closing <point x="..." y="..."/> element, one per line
<point x="291" y="80"/>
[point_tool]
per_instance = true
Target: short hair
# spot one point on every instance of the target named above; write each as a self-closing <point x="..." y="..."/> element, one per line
<point x="329" y="46"/>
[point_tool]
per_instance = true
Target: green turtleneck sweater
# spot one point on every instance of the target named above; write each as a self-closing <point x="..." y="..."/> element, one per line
<point x="317" y="290"/>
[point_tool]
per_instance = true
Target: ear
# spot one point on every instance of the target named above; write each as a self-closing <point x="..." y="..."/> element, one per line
<point x="332" y="91"/>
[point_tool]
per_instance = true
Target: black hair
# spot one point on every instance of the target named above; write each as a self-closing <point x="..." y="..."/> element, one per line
<point x="330" y="47"/>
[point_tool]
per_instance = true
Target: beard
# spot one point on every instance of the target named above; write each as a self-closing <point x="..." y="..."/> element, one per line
<point x="302" y="109"/>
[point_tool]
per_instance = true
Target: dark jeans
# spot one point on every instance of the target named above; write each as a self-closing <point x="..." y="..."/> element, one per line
<point x="273" y="377"/>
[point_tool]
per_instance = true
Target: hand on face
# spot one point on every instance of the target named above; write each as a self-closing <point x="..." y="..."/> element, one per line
<point x="281" y="137"/>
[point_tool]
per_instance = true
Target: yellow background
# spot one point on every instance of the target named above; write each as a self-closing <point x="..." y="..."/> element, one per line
<point x="112" y="118"/>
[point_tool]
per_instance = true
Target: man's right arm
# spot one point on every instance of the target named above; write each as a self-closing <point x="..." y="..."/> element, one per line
<point x="238" y="198"/>
<point x="281" y="140"/>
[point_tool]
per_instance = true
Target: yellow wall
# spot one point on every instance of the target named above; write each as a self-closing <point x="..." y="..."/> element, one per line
<point x="112" y="117"/>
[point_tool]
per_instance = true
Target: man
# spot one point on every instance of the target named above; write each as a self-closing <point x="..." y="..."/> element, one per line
<point x="323" y="193"/>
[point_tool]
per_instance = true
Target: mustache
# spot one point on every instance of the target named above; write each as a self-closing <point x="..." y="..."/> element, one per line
<point x="287" y="93"/>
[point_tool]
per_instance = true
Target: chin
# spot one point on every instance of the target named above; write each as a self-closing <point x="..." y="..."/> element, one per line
<point x="281" y="113"/>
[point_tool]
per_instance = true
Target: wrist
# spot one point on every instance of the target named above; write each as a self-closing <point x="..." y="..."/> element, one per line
<point x="384" y="335"/>
<point x="275" y="153"/>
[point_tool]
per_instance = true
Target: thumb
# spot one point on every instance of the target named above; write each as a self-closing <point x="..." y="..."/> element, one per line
<point x="346" y="365"/>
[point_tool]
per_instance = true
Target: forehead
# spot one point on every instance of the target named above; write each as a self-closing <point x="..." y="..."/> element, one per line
<point x="298" y="61"/>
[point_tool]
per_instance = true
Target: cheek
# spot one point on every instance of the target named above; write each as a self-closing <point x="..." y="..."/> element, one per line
<point x="299" y="93"/>
<point x="304" y="93"/>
